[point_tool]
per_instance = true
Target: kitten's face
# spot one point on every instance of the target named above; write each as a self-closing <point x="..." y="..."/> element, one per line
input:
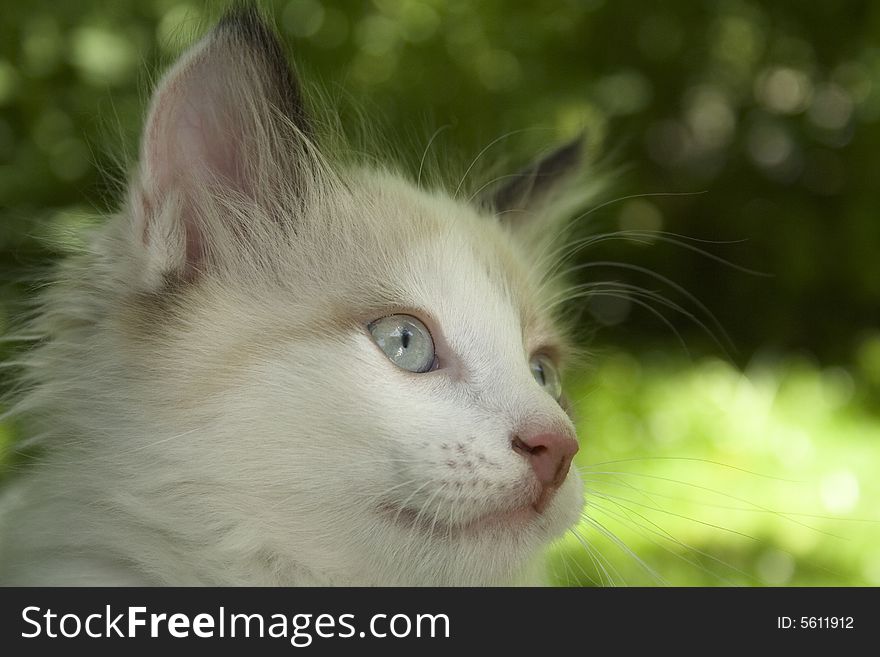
<point x="313" y="449"/>
<point x="363" y="470"/>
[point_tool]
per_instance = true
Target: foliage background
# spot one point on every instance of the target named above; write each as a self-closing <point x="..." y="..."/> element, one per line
<point x="752" y="126"/>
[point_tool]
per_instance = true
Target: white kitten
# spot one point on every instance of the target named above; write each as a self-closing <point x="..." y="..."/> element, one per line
<point x="273" y="368"/>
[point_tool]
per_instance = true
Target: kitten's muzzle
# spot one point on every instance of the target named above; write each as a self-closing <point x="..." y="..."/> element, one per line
<point x="550" y="455"/>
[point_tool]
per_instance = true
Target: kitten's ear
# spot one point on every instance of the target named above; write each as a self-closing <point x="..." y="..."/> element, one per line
<point x="515" y="201"/>
<point x="228" y="118"/>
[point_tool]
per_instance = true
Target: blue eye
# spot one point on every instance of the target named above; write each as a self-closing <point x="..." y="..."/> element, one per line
<point x="546" y="375"/>
<point x="405" y="341"/>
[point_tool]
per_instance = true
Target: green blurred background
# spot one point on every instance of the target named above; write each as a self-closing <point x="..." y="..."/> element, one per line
<point x="750" y="128"/>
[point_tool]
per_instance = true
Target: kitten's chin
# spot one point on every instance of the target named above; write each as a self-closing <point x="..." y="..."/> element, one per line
<point x="546" y="519"/>
<point x="413" y="521"/>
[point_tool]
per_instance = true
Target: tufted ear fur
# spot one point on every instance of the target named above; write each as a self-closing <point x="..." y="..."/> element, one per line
<point x="227" y="122"/>
<point x="515" y="201"/>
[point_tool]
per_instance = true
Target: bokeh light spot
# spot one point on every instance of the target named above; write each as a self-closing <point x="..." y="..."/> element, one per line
<point x="783" y="90"/>
<point x="776" y="568"/>
<point x="831" y="108"/>
<point x="303" y="18"/>
<point x="497" y="69"/>
<point x="101" y="55"/>
<point x="8" y="82"/>
<point x="839" y="492"/>
<point x="624" y="92"/>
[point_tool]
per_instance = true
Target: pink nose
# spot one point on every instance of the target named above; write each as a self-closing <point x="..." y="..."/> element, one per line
<point x="550" y="456"/>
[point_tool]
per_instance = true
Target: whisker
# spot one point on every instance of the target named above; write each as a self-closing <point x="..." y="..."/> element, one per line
<point x="481" y="153"/>
<point x="675" y="286"/>
<point x="622" y="546"/>
<point x="598" y="558"/>
<point x="722" y="494"/>
<point x="629" y="197"/>
<point x="407" y="500"/>
<point x="615" y="295"/>
<point x="428" y="148"/>
<point x="564" y="556"/>
<point x="664" y="237"/>
<point x="633" y="291"/>
<point x="439" y="506"/>
<point x="647" y="237"/>
<point x="687" y="458"/>
<point x="659" y="509"/>
<point x="662" y="533"/>
<point x="729" y="507"/>
<point x="489" y="183"/>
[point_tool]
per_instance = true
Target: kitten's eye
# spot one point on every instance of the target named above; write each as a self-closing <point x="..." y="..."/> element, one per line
<point x="547" y="375"/>
<point x="406" y="341"/>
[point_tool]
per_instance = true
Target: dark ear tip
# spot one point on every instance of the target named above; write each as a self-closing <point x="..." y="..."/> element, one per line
<point x="245" y="21"/>
<point x="565" y="158"/>
<point x="242" y="16"/>
<point x="246" y="25"/>
<point x="540" y="179"/>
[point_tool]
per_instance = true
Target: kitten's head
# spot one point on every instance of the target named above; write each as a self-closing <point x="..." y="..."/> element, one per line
<point x="341" y="376"/>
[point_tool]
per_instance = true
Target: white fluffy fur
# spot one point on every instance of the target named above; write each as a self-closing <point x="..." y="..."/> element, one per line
<point x="210" y="405"/>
